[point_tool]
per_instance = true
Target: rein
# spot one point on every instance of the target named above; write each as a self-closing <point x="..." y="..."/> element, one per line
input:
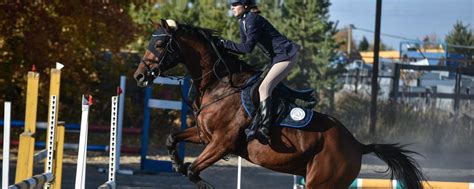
<point x="197" y="108"/>
<point x="220" y="59"/>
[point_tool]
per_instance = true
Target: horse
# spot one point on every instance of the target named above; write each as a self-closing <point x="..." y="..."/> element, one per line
<point x="325" y="152"/>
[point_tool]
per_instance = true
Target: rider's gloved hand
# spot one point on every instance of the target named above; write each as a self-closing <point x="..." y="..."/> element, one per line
<point x="218" y="42"/>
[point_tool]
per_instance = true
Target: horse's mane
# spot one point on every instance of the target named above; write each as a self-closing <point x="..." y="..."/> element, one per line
<point x="207" y="34"/>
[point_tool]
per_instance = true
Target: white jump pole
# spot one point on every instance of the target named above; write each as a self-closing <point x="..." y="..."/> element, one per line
<point x="121" y="106"/>
<point x="295" y="185"/>
<point x="6" y="144"/>
<point x="51" y="134"/>
<point x="82" y="154"/>
<point x="113" y="141"/>
<point x="239" y="172"/>
<point x="113" y="146"/>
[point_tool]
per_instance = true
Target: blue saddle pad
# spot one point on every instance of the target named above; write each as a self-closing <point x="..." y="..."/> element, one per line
<point x="291" y="116"/>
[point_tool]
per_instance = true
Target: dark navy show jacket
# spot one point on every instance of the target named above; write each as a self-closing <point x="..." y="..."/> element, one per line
<point x="255" y="29"/>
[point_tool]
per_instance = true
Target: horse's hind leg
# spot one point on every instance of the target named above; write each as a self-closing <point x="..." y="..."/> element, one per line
<point x="188" y="135"/>
<point x="335" y="167"/>
<point x="327" y="171"/>
<point x="213" y="152"/>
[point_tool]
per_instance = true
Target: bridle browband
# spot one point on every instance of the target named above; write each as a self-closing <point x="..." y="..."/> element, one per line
<point x="161" y="56"/>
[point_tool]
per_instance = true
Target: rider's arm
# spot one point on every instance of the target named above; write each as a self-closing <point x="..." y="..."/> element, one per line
<point x="248" y="39"/>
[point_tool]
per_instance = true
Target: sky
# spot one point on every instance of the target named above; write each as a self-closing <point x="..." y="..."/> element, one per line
<point x="411" y="19"/>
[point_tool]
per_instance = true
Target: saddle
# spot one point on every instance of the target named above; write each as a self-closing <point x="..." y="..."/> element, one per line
<point x="292" y="108"/>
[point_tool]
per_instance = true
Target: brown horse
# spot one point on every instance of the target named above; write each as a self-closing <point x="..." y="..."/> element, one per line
<point x="325" y="152"/>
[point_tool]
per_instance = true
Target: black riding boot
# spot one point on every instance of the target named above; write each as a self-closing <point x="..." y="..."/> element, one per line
<point x="250" y="132"/>
<point x="265" y="119"/>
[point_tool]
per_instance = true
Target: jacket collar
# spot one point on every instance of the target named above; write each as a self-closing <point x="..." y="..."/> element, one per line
<point x="243" y="16"/>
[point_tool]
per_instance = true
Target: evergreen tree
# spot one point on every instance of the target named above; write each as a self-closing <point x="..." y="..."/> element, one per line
<point x="307" y="23"/>
<point x="302" y="21"/>
<point x="364" y="44"/>
<point x="459" y="39"/>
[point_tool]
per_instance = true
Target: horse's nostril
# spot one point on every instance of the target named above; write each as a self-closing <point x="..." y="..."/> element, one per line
<point x="139" y="77"/>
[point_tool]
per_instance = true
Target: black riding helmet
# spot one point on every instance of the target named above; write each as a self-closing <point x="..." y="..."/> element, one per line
<point x="244" y="2"/>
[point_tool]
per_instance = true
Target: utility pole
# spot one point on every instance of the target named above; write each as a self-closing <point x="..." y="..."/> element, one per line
<point x="375" y="69"/>
<point x="349" y="40"/>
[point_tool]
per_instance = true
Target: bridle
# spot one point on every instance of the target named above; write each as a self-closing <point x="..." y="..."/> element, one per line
<point x="169" y="50"/>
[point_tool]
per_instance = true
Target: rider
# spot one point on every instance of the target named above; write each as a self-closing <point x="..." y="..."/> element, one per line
<point x="256" y="30"/>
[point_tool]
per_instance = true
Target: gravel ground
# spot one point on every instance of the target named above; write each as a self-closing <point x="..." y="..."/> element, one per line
<point x="439" y="167"/>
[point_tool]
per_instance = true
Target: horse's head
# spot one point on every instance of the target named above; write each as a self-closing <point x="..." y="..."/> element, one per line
<point x="174" y="43"/>
<point x="161" y="54"/>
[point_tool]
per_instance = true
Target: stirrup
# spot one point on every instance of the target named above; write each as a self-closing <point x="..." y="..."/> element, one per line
<point x="250" y="134"/>
<point x="265" y="133"/>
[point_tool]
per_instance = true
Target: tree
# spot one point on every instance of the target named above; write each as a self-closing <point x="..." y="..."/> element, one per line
<point x="342" y="37"/>
<point x="309" y="27"/>
<point x="430" y="42"/>
<point x="307" y="23"/>
<point x="75" y="33"/>
<point x="461" y="40"/>
<point x="364" y="44"/>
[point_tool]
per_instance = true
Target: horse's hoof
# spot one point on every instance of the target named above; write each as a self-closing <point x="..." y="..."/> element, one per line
<point x="204" y="185"/>
<point x="183" y="169"/>
<point x="175" y="167"/>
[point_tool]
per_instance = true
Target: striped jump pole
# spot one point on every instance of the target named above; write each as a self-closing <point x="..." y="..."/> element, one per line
<point x="82" y="151"/>
<point x="34" y="182"/>
<point x="113" y="146"/>
<point x="387" y="183"/>
<point x="6" y="144"/>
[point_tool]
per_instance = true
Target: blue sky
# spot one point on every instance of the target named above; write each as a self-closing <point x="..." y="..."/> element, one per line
<point x="412" y="19"/>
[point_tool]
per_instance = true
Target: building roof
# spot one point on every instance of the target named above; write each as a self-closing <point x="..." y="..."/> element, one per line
<point x="368" y="56"/>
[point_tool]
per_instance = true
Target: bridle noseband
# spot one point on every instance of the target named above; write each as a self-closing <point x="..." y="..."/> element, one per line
<point x="161" y="56"/>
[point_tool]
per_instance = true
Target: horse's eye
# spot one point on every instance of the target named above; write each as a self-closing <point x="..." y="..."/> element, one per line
<point x="159" y="44"/>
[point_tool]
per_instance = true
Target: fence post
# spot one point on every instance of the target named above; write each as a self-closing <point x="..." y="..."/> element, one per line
<point x="357" y="79"/>
<point x="468" y="98"/>
<point x="395" y="83"/>
<point x="26" y="147"/>
<point x="457" y="90"/>
<point x="434" y="93"/>
<point x="58" y="155"/>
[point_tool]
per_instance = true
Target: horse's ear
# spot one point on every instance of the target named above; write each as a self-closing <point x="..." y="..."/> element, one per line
<point x="169" y="25"/>
<point x="155" y="25"/>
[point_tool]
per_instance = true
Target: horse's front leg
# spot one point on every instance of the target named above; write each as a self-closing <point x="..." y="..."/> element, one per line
<point x="188" y="135"/>
<point x="213" y="152"/>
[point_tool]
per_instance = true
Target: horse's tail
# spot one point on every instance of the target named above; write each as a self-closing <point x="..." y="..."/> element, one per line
<point x="403" y="167"/>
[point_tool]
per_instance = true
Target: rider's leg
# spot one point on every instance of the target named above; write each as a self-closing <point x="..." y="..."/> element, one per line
<point x="251" y="131"/>
<point x="277" y="73"/>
